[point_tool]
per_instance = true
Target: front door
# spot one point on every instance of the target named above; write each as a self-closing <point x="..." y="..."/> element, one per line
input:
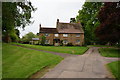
<point x="56" y="42"/>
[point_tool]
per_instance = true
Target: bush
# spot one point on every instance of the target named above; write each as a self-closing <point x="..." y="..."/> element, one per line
<point x="43" y="40"/>
<point x="61" y="43"/>
<point x="69" y="44"/>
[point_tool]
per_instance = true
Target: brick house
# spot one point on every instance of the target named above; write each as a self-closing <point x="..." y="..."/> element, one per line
<point x="63" y="33"/>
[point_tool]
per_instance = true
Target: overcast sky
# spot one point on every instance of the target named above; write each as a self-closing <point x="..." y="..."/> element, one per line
<point x="48" y="11"/>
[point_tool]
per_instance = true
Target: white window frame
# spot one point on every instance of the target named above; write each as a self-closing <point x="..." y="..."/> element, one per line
<point x="77" y="35"/>
<point x="65" y="35"/>
<point x="56" y="35"/>
<point x="46" y="34"/>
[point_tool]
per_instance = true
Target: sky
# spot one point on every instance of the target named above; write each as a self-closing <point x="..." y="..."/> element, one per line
<point x="48" y="11"/>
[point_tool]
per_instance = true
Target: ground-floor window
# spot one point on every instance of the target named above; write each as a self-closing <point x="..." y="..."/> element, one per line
<point x="65" y="41"/>
<point x="46" y="34"/>
<point x="47" y="41"/>
<point x="77" y="41"/>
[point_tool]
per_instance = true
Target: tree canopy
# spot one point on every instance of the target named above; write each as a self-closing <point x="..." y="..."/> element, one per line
<point x="88" y="18"/>
<point x="109" y="17"/>
<point x="28" y="37"/>
<point x="14" y="15"/>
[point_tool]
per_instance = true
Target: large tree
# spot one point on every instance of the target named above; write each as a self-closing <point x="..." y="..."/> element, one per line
<point x="14" y="15"/>
<point x="28" y="37"/>
<point x="109" y="17"/>
<point x="88" y="18"/>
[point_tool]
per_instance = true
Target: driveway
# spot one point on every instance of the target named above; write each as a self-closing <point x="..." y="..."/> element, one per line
<point x="89" y="65"/>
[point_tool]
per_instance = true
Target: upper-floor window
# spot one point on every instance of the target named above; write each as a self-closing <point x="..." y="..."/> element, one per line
<point x="77" y="35"/>
<point x="56" y="35"/>
<point x="46" y="34"/>
<point x="65" y="35"/>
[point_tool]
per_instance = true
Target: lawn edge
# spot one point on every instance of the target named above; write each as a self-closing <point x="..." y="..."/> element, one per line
<point x="44" y="70"/>
<point x="105" y="56"/>
<point x="47" y="50"/>
<point x="109" y="71"/>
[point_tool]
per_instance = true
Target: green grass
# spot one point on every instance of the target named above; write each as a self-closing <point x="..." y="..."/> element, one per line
<point x="20" y="62"/>
<point x="114" y="68"/>
<point x="60" y="49"/>
<point x="109" y="52"/>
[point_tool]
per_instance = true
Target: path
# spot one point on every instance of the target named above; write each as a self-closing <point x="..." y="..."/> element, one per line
<point x="89" y="65"/>
<point x="64" y="55"/>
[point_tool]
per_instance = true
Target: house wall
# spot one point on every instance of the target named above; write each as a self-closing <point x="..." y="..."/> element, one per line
<point x="71" y="38"/>
<point x="50" y="37"/>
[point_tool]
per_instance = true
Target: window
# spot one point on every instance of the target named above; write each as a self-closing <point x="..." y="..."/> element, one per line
<point x="47" y="41"/>
<point x="65" y="35"/>
<point x="46" y="34"/>
<point x="56" y="35"/>
<point x="77" y="35"/>
<point x="77" y="41"/>
<point x="65" y="41"/>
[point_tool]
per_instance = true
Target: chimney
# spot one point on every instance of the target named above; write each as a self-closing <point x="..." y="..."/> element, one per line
<point x="39" y="27"/>
<point x="78" y="21"/>
<point x="57" y="20"/>
<point x="57" y="23"/>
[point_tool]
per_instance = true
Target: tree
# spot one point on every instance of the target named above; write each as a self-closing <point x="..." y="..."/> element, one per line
<point x="88" y="18"/>
<point x="43" y="38"/>
<point x="28" y="37"/>
<point x="14" y="15"/>
<point x="109" y="17"/>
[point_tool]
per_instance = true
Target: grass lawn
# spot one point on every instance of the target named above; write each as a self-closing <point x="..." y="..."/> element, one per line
<point x="59" y="49"/>
<point x="20" y="62"/>
<point x="109" y="52"/>
<point x="114" y="68"/>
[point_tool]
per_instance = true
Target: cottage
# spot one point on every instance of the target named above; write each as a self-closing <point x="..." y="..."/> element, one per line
<point x="63" y="33"/>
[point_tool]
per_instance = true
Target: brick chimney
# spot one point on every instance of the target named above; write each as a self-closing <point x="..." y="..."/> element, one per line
<point x="57" y="23"/>
<point x="39" y="27"/>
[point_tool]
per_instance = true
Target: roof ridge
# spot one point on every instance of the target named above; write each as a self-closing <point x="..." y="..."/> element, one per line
<point x="68" y="23"/>
<point x="46" y="27"/>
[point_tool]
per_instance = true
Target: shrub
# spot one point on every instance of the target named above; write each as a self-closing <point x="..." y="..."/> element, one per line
<point x="69" y="44"/>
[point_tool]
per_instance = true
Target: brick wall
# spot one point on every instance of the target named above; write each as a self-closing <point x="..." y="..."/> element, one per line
<point x="71" y="38"/>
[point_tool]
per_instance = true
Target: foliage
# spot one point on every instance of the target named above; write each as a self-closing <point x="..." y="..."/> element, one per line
<point x="60" y="49"/>
<point x="28" y="37"/>
<point x="109" y="17"/>
<point x="114" y="68"/>
<point x="109" y="52"/>
<point x="69" y="44"/>
<point x="21" y="63"/>
<point x="89" y="21"/>
<point x="14" y="15"/>
<point x="43" y="38"/>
